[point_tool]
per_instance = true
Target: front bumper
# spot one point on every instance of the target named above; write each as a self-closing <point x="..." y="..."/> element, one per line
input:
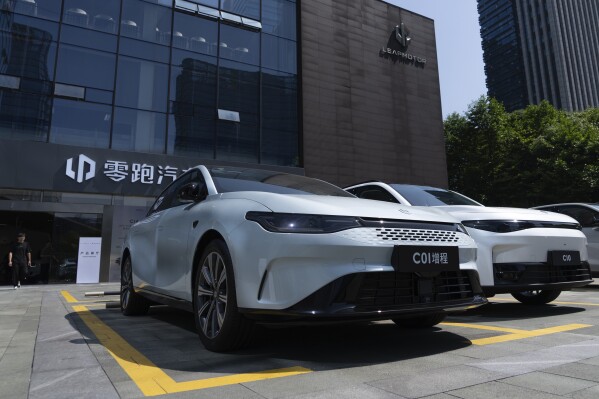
<point x="517" y="277"/>
<point x="381" y="296"/>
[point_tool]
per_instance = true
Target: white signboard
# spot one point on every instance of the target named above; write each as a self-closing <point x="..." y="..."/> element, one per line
<point x="88" y="261"/>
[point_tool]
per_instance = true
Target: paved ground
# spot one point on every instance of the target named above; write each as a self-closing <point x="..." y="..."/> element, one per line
<point x="57" y="343"/>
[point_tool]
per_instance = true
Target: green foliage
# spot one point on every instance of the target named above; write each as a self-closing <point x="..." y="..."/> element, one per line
<point x="530" y="157"/>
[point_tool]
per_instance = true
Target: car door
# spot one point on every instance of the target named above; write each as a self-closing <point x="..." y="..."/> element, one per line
<point x="174" y="262"/>
<point x="587" y="218"/>
<point x="142" y="241"/>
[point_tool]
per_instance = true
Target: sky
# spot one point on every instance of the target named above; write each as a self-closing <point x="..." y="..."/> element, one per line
<point x="461" y="67"/>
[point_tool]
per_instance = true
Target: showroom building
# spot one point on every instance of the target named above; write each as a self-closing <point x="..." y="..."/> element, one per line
<point x="103" y="103"/>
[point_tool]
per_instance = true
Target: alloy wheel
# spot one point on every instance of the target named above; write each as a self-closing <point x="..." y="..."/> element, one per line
<point x="212" y="295"/>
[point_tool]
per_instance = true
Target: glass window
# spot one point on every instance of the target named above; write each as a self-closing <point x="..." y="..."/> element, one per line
<point x="279" y="54"/>
<point x="36" y="86"/>
<point x="47" y="9"/>
<point x="279" y="18"/>
<point x="194" y="82"/>
<point x="145" y="50"/>
<point x="98" y="96"/>
<point x="142" y="84"/>
<point x="279" y="79"/>
<point x="80" y="123"/>
<point x="190" y="136"/>
<point x="30" y="27"/>
<point x="239" y="44"/>
<point x="430" y="196"/>
<point x="239" y="90"/>
<point x="279" y="147"/>
<point x="585" y="216"/>
<point x="85" y="67"/>
<point x="88" y="38"/>
<point x="247" y="8"/>
<point x="194" y="33"/>
<point x="211" y="3"/>
<point x="139" y="131"/>
<point x="98" y="15"/>
<point x="237" y="142"/>
<point x="24" y="116"/>
<point x="29" y="55"/>
<point x="144" y="21"/>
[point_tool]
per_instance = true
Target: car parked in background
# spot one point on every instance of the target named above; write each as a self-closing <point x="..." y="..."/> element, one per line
<point x="241" y="246"/>
<point x="588" y="217"/>
<point x="531" y="254"/>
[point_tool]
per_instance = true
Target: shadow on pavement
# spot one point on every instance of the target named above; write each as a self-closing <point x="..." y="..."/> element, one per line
<point x="517" y="311"/>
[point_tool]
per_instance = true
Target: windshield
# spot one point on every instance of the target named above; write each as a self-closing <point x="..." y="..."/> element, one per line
<point x="228" y="179"/>
<point x="430" y="196"/>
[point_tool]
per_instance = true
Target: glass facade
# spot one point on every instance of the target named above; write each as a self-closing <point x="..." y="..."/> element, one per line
<point x="151" y="76"/>
<point x="502" y="53"/>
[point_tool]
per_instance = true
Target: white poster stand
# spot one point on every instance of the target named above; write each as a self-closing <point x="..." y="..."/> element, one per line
<point x="88" y="261"/>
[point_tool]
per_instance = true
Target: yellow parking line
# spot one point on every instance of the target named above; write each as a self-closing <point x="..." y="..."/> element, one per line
<point x="70" y="298"/>
<point x="149" y="378"/>
<point x="555" y="302"/>
<point x="514" y="334"/>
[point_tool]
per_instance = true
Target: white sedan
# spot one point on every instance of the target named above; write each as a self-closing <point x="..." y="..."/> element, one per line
<point x="239" y="246"/>
<point x="588" y="216"/>
<point x="531" y="254"/>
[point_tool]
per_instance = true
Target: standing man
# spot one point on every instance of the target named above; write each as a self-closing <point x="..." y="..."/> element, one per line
<point x="19" y="258"/>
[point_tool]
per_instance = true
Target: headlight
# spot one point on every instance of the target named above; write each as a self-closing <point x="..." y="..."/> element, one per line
<point x="508" y="226"/>
<point x="301" y="223"/>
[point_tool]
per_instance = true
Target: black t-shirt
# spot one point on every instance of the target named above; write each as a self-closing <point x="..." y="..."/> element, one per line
<point x="19" y="252"/>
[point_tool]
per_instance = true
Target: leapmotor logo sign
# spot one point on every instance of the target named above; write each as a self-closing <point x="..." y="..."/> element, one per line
<point x="397" y="47"/>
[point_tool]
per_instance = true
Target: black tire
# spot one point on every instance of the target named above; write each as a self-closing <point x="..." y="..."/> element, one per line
<point x="132" y="304"/>
<point x="536" y="297"/>
<point x="425" y="321"/>
<point x="220" y="325"/>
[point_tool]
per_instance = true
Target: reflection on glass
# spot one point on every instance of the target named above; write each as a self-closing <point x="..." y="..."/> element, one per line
<point x="92" y="14"/>
<point x="193" y="92"/>
<point x="142" y="84"/>
<point x="237" y="142"/>
<point x="279" y="18"/>
<point x="88" y="38"/>
<point x="85" y="67"/>
<point x="239" y="44"/>
<point x="239" y="90"/>
<point x="139" y="131"/>
<point x="80" y="123"/>
<point x="145" y="50"/>
<point x="144" y="21"/>
<point x="24" y="116"/>
<point x="247" y="8"/>
<point x="195" y="34"/>
<point x="47" y="9"/>
<point x="279" y="54"/>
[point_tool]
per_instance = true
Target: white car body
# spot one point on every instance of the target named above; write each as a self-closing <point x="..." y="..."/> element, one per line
<point x="503" y="256"/>
<point x="588" y="216"/>
<point x="279" y="275"/>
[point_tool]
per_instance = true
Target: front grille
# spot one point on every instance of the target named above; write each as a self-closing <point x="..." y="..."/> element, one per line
<point x="539" y="273"/>
<point x="390" y="290"/>
<point x="397" y="236"/>
<point x="417" y="235"/>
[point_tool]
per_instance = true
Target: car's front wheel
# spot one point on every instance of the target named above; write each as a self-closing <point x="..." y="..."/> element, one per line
<point x="424" y="321"/>
<point x="536" y="297"/>
<point x="132" y="304"/>
<point x="220" y="325"/>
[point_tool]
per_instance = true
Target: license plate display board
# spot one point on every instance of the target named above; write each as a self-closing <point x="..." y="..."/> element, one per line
<point x="563" y="258"/>
<point x="417" y="258"/>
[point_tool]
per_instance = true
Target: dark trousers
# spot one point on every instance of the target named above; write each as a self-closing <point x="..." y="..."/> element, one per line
<point x="18" y="273"/>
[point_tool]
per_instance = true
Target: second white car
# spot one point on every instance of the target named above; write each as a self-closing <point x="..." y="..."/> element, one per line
<point x="531" y="254"/>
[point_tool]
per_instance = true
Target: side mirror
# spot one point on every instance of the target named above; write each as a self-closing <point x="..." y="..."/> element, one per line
<point x="193" y="192"/>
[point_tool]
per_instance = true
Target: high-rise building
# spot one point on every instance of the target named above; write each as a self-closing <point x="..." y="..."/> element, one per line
<point x="104" y="103"/>
<point x="538" y="50"/>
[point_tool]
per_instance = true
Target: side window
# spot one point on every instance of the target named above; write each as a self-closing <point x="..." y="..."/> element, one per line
<point x="193" y="177"/>
<point x="583" y="215"/>
<point x="168" y="198"/>
<point x="376" y="193"/>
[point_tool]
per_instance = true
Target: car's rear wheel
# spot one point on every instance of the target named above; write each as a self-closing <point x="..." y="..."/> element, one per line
<point x="132" y="304"/>
<point x="424" y="321"/>
<point x="220" y="325"/>
<point x="536" y="297"/>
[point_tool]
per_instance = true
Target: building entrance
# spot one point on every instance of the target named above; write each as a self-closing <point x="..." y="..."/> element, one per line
<point x="54" y="239"/>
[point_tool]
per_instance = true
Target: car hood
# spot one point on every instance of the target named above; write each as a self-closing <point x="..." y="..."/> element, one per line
<point x="342" y="206"/>
<point x="471" y="212"/>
